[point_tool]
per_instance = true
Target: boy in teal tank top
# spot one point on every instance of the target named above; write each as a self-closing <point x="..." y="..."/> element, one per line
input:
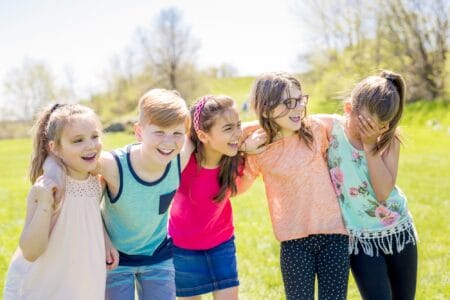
<point x="141" y="182"/>
<point x="140" y="234"/>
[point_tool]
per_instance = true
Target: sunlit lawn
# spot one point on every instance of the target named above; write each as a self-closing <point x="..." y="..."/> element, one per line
<point x="423" y="176"/>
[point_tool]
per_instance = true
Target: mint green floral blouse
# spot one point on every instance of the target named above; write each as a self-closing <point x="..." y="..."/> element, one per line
<point x="368" y="221"/>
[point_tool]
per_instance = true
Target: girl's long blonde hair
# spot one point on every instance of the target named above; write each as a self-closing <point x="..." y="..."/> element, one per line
<point x="49" y="127"/>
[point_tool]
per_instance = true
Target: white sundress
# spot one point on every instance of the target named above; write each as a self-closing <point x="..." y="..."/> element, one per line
<point x="73" y="265"/>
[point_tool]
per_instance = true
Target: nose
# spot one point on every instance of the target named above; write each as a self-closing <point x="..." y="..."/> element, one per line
<point x="172" y="139"/>
<point x="300" y="107"/>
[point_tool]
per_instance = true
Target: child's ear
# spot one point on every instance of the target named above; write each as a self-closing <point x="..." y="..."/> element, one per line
<point x="138" y="132"/>
<point x="348" y="107"/>
<point x="52" y="148"/>
<point x="202" y="136"/>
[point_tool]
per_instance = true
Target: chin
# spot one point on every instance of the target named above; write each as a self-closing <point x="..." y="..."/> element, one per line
<point x="231" y="153"/>
<point x="165" y="159"/>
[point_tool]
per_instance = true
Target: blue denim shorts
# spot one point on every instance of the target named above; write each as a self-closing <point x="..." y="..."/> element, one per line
<point x="199" y="272"/>
<point x="152" y="282"/>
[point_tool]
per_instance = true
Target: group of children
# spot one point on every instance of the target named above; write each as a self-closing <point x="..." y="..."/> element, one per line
<point x="155" y="217"/>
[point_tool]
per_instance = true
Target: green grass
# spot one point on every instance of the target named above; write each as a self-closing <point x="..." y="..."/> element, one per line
<point x="423" y="176"/>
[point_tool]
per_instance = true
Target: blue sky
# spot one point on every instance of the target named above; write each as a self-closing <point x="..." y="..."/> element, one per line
<point x="83" y="36"/>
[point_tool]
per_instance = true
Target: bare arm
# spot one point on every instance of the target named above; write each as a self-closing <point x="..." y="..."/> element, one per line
<point x="244" y="182"/>
<point x="254" y="143"/>
<point x="35" y="235"/>
<point x="383" y="166"/>
<point x="186" y="151"/>
<point x="112" y="255"/>
<point x="327" y="120"/>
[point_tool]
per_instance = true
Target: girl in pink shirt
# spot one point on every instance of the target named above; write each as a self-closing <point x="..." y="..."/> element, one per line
<point x="305" y="214"/>
<point x="201" y="220"/>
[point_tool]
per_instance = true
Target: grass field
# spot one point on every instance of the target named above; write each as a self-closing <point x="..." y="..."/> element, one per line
<point x="423" y="176"/>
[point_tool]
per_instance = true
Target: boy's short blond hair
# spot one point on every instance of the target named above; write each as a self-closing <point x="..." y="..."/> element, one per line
<point x="163" y="108"/>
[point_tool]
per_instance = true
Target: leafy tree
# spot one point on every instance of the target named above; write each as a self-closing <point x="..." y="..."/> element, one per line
<point x="30" y="87"/>
<point x="354" y="38"/>
<point x="169" y="52"/>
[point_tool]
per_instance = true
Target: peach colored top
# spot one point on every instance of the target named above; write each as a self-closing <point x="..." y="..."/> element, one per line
<point x="298" y="187"/>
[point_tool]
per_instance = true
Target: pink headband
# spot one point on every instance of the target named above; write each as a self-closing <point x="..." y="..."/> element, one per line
<point x="198" y="110"/>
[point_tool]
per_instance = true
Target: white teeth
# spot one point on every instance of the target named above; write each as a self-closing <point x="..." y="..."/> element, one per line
<point x="89" y="156"/>
<point x="166" y="151"/>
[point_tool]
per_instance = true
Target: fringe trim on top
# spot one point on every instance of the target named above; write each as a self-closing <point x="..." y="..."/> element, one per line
<point x="374" y="241"/>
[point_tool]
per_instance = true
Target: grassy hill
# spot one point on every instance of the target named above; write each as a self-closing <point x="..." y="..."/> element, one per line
<point x="423" y="176"/>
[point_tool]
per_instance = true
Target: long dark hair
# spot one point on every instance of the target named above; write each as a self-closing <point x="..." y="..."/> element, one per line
<point x="203" y="119"/>
<point x="267" y="93"/>
<point x="383" y="96"/>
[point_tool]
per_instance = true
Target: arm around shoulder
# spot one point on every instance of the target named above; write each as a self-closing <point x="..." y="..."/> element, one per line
<point x="326" y="120"/>
<point x="186" y="151"/>
<point x="249" y="175"/>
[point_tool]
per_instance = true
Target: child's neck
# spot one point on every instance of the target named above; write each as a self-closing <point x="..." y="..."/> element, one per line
<point x="77" y="175"/>
<point x="145" y="167"/>
<point x="280" y="135"/>
<point x="211" y="159"/>
<point x="352" y="136"/>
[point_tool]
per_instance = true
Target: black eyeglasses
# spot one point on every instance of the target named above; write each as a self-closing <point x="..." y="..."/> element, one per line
<point x="292" y="103"/>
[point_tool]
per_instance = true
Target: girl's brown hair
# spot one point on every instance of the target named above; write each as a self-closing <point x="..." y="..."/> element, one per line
<point x="384" y="97"/>
<point x="267" y="93"/>
<point x="213" y="108"/>
<point x="49" y="127"/>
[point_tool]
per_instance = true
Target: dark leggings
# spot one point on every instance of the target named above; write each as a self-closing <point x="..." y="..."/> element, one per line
<point x="323" y="254"/>
<point x="386" y="277"/>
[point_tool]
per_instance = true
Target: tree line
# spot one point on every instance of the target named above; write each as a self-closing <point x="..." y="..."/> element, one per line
<point x="355" y="37"/>
<point x="348" y="39"/>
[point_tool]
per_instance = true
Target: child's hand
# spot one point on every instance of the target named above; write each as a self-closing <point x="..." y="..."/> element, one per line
<point x="112" y="257"/>
<point x="43" y="191"/>
<point x="54" y="171"/>
<point x="370" y="131"/>
<point x="254" y="143"/>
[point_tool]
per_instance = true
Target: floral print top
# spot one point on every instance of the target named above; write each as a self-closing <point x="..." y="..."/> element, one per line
<point x="363" y="215"/>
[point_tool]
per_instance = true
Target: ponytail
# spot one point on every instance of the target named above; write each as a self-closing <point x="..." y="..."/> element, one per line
<point x="396" y="83"/>
<point x="384" y="97"/>
<point x="40" y="143"/>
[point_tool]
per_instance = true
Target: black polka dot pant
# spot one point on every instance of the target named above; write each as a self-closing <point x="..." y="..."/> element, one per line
<point x="323" y="254"/>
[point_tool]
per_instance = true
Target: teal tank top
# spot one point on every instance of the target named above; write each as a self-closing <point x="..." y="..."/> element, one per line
<point x="368" y="221"/>
<point x="136" y="219"/>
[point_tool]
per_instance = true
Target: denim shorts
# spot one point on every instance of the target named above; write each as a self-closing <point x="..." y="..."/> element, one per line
<point x="199" y="272"/>
<point x="152" y="282"/>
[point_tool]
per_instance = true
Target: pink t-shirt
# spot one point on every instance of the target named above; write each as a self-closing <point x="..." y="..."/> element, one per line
<point x="197" y="222"/>
<point x="301" y="197"/>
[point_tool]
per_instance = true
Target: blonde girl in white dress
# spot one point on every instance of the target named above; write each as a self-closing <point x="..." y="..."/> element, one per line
<point x="61" y="253"/>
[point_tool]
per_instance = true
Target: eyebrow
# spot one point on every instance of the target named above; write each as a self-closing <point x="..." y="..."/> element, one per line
<point x="87" y="134"/>
<point x="230" y="124"/>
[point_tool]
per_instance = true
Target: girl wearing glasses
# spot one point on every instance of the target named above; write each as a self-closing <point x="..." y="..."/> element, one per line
<point x="303" y="207"/>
